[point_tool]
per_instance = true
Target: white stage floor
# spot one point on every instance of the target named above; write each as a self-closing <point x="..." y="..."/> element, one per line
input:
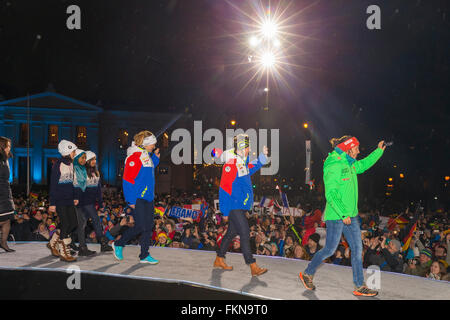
<point x="194" y="267"/>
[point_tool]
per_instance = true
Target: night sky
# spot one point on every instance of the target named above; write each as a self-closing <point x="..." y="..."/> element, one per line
<point x="391" y="84"/>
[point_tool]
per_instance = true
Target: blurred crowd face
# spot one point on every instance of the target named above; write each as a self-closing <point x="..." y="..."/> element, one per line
<point x="435" y="268"/>
<point x="424" y="258"/>
<point x="391" y="247"/>
<point x="162" y="240"/>
<point x="289" y="241"/>
<point x="298" y="252"/>
<point x="312" y="244"/>
<point x="440" y="252"/>
<point x="236" y="245"/>
<point x="274" y="249"/>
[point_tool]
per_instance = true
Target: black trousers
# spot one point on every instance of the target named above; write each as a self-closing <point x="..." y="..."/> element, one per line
<point x="237" y="225"/>
<point x="143" y="216"/>
<point x="83" y="215"/>
<point x="68" y="220"/>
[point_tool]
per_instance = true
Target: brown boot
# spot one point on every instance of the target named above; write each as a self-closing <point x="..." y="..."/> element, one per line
<point x="64" y="252"/>
<point x="220" y="263"/>
<point x="53" y="244"/>
<point x="257" y="271"/>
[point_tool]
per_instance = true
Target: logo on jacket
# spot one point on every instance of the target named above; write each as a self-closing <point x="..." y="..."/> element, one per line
<point x="132" y="164"/>
<point x="246" y="199"/>
<point x="143" y="192"/>
<point x="227" y="169"/>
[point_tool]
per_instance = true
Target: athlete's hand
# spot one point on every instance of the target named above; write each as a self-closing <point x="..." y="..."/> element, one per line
<point x="157" y="153"/>
<point x="75" y="202"/>
<point x="265" y="151"/>
<point x="347" y="220"/>
<point x="381" y="145"/>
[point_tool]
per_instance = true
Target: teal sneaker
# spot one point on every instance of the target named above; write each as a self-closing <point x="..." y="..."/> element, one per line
<point x="150" y="260"/>
<point x="117" y="252"/>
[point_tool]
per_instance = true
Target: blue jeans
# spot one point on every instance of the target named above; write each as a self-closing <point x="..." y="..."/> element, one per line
<point x="352" y="233"/>
<point x="143" y="216"/>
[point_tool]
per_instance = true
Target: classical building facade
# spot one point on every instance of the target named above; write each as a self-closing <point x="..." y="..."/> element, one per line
<point x="37" y="123"/>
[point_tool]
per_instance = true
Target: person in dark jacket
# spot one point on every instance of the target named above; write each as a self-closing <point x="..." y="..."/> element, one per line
<point x="89" y="194"/>
<point x="62" y="200"/>
<point x="389" y="258"/>
<point x="80" y="175"/>
<point x="6" y="200"/>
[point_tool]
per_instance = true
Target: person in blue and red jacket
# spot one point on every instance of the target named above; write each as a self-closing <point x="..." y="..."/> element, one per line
<point x="236" y="198"/>
<point x="139" y="192"/>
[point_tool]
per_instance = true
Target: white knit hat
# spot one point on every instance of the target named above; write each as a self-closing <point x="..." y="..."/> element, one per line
<point x="66" y="147"/>
<point x="148" y="141"/>
<point x="78" y="152"/>
<point x="90" y="155"/>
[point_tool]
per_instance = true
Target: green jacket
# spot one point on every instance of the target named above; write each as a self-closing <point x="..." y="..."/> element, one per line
<point x="341" y="183"/>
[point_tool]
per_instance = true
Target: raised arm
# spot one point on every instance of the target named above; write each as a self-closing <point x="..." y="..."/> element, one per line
<point x="364" y="164"/>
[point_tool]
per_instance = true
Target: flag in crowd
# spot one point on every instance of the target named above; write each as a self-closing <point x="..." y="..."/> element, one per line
<point x="407" y="239"/>
<point x="160" y="211"/>
<point x="266" y="202"/>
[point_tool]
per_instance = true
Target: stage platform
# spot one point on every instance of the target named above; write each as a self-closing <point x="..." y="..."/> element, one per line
<point x="191" y="271"/>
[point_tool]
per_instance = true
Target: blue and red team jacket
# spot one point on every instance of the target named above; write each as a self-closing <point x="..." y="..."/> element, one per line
<point x="139" y="175"/>
<point x="236" y="191"/>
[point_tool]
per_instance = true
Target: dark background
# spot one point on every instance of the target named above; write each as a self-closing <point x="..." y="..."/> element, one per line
<point x="189" y="56"/>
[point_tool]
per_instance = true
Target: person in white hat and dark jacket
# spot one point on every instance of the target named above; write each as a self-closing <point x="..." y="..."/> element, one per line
<point x="62" y="201"/>
<point x="88" y="197"/>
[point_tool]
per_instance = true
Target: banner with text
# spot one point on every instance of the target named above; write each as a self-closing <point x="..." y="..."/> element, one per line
<point x="178" y="212"/>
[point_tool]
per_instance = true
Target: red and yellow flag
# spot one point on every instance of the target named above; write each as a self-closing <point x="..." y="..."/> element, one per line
<point x="160" y="211"/>
<point x="407" y="239"/>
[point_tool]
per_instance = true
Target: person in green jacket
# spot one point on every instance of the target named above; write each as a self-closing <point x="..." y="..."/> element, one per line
<point x="340" y="172"/>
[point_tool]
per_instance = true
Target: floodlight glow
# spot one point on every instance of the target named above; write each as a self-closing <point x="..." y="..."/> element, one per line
<point x="269" y="29"/>
<point x="277" y="43"/>
<point x="254" y="41"/>
<point x="268" y="59"/>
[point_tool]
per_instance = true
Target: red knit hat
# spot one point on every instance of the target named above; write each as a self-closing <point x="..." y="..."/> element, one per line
<point x="348" y="144"/>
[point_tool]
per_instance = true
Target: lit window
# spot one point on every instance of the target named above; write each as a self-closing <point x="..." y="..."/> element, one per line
<point x="81" y="136"/>
<point x="52" y="135"/>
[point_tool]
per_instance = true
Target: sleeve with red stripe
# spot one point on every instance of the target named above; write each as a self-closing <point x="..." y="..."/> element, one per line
<point x="229" y="173"/>
<point x="133" y="165"/>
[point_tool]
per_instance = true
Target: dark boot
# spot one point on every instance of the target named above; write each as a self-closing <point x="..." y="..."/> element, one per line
<point x="85" y="252"/>
<point x="104" y="247"/>
<point x="72" y="246"/>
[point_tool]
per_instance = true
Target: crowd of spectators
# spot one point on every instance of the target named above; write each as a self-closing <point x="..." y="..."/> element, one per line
<point x="271" y="234"/>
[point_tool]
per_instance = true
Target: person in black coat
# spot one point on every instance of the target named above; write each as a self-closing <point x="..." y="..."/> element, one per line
<point x="6" y="200"/>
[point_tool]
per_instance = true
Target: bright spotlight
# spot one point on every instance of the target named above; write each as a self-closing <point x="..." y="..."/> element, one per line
<point x="266" y="89"/>
<point x="277" y="43"/>
<point x="253" y="41"/>
<point x="269" y="29"/>
<point x="268" y="59"/>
